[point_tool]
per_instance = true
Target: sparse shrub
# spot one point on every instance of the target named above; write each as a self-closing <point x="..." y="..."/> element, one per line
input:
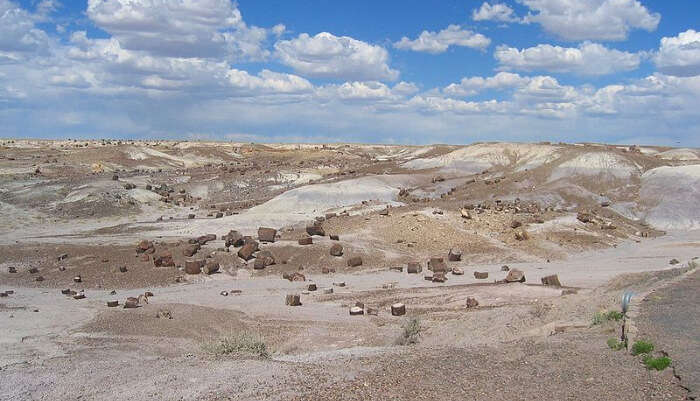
<point x="615" y="345"/>
<point x="410" y="333"/>
<point x="657" y="363"/>
<point x="601" y="317"/>
<point x="642" y="347"/>
<point x="614" y="315"/>
<point x="238" y="344"/>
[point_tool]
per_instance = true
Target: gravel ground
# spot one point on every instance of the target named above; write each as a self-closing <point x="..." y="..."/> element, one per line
<point x="670" y="319"/>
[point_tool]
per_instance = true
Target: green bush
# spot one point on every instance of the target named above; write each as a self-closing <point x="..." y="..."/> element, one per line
<point x="238" y="344"/>
<point x="642" y="347"/>
<point x="616" y="345"/>
<point x="657" y="363"/>
<point x="410" y="333"/>
<point x="602" y="317"/>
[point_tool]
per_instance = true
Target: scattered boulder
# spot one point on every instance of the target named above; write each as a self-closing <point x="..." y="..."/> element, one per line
<point x="164" y="259"/>
<point x="306" y="241"/>
<point x="414" y="267"/>
<point x="263" y="259"/>
<point x="439" y="277"/>
<point x="505" y="268"/>
<point x="465" y="214"/>
<point x="337" y="250"/>
<point x="164" y="314"/>
<point x="78" y="279"/>
<point x="193" y="266"/>
<point x="398" y="309"/>
<point x="328" y="291"/>
<point x="315" y="229"/>
<point x="355" y="261"/>
<point x="294" y="276"/>
<point x="293" y="300"/>
<point x="131" y="303"/>
<point x="455" y="255"/>
<point x="472" y="302"/>
<point x="481" y="275"/>
<point x="514" y="276"/>
<point x="334" y="237"/>
<point x="233" y="238"/>
<point x="145" y="246"/>
<point x="211" y="267"/>
<point x="33" y="270"/>
<point x="674" y="261"/>
<point x="191" y="249"/>
<point x="339" y="284"/>
<point x="246" y="252"/>
<point x="437" y="264"/>
<point x="12" y="269"/>
<point x="62" y="256"/>
<point x="266" y="234"/>
<point x="515" y="224"/>
<point x="457" y="271"/>
<point x="356" y="310"/>
<point x="123" y="269"/>
<point x="203" y="239"/>
<point x="191" y="216"/>
<point x="79" y="296"/>
<point x="112" y="304"/>
<point x="224" y="293"/>
<point x="311" y="287"/>
<point x="552" y="280"/>
<point x="372" y="311"/>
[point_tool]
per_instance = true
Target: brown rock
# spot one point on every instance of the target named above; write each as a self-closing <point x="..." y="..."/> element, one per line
<point x="191" y="249"/>
<point x="472" y="302"/>
<point x="306" y="241"/>
<point x="334" y="237"/>
<point x="294" y="276"/>
<point x="355" y="261"/>
<point x="266" y="234"/>
<point x="77" y="279"/>
<point x="455" y="255"/>
<point x="112" y="304"/>
<point x="552" y="280"/>
<point x="131" y="303"/>
<point x="246" y="252"/>
<point x="437" y="264"/>
<point x="372" y="311"/>
<point x="515" y="224"/>
<point x="584" y="217"/>
<point x="481" y="275"/>
<point x="211" y="267"/>
<point x="414" y="267"/>
<point x="202" y="240"/>
<point x="123" y="269"/>
<point x="233" y="238"/>
<point x="193" y="266"/>
<point x="293" y="300"/>
<point x="311" y="287"/>
<point x="315" y="229"/>
<point x="144" y="246"/>
<point x="457" y="271"/>
<point x="164" y="259"/>
<point x="398" y="309"/>
<point x="439" y="277"/>
<point x="337" y="250"/>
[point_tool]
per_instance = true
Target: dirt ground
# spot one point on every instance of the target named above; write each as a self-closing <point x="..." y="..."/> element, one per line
<point x="72" y="209"/>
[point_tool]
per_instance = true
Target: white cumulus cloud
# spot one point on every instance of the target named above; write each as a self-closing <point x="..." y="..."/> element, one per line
<point x="680" y="55"/>
<point x="438" y="42"/>
<point x="586" y="59"/>
<point x="494" y="12"/>
<point x="591" y="19"/>
<point x="340" y="57"/>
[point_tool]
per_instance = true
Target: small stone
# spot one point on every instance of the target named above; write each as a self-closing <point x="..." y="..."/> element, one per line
<point x="306" y="241"/>
<point x="123" y="269"/>
<point x="414" y="267"/>
<point x="77" y="279"/>
<point x="372" y="311"/>
<point x="328" y="290"/>
<point x="455" y="255"/>
<point x="164" y="314"/>
<point x="355" y="261"/>
<point x="356" y="310"/>
<point x="293" y="300"/>
<point x="505" y="268"/>
<point x="337" y="250"/>
<point x="79" y="296"/>
<point x="472" y="302"/>
<point x="552" y="280"/>
<point x="674" y="262"/>
<point x="112" y="304"/>
<point x="339" y="284"/>
<point x="311" y="287"/>
<point x="457" y="271"/>
<point x="398" y="309"/>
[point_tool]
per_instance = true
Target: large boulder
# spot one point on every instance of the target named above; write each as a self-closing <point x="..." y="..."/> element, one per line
<point x="263" y="259"/>
<point x="414" y="267"/>
<point x="145" y="246"/>
<point x="211" y="267"/>
<point x="455" y="255"/>
<point x="190" y="249"/>
<point x="233" y="238"/>
<point x="552" y="280"/>
<point x="315" y="229"/>
<point x="246" y="252"/>
<point x="164" y="259"/>
<point x="355" y="261"/>
<point x="266" y="234"/>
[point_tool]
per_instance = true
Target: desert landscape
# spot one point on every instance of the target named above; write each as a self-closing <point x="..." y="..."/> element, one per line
<point x="178" y="270"/>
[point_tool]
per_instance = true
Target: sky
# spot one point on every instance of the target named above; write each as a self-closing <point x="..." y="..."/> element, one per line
<point x="405" y="71"/>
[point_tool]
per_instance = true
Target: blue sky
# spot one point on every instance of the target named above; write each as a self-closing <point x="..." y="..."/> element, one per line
<point x="619" y="71"/>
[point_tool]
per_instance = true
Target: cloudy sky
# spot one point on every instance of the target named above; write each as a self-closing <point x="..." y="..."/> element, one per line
<point x="405" y="71"/>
